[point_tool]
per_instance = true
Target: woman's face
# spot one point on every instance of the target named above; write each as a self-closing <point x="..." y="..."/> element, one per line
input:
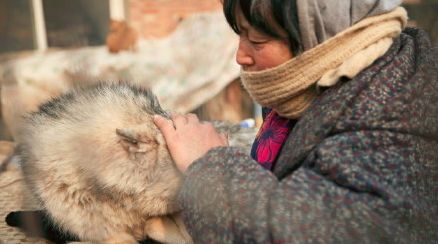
<point x="258" y="51"/>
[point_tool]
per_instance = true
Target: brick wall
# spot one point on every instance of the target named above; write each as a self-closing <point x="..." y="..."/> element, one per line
<point x="158" y="18"/>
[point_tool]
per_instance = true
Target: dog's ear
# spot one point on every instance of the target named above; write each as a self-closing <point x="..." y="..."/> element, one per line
<point x="138" y="139"/>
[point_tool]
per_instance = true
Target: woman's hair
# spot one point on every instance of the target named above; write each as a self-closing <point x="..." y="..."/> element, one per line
<point x="268" y="16"/>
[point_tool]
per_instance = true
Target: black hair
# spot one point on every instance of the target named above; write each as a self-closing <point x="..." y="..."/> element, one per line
<point x="267" y="16"/>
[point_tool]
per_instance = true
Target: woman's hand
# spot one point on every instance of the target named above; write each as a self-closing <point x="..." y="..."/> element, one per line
<point x="187" y="138"/>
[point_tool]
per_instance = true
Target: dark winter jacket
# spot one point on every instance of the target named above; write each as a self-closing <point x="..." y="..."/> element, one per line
<point x="360" y="165"/>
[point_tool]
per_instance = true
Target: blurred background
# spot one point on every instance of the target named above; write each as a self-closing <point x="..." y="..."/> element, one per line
<point x="181" y="49"/>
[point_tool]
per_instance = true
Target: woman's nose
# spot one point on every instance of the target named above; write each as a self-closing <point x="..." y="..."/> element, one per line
<point x="243" y="57"/>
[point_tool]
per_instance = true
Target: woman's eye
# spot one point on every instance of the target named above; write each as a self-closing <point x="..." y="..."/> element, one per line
<point x="258" y="42"/>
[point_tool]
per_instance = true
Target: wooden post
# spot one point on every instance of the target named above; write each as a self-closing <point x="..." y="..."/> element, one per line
<point x="39" y="25"/>
<point x="117" y="9"/>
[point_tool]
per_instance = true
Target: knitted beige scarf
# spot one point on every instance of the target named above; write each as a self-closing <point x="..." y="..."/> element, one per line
<point x="291" y="87"/>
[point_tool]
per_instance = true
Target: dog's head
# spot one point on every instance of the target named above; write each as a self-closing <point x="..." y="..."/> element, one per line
<point x="103" y="137"/>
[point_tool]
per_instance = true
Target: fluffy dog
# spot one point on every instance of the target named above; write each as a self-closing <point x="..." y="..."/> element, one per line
<point x="100" y="168"/>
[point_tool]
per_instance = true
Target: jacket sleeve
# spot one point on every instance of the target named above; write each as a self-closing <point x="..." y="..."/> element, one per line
<point x="343" y="191"/>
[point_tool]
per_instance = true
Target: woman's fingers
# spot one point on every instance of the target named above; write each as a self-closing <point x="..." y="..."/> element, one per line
<point x="169" y="126"/>
<point x="165" y="125"/>
<point x="192" y="118"/>
<point x="179" y="120"/>
<point x="188" y="139"/>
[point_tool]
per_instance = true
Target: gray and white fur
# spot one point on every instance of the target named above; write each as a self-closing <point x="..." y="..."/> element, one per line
<point x="100" y="167"/>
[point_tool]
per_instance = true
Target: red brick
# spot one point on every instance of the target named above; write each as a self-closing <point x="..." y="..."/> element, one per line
<point x="158" y="18"/>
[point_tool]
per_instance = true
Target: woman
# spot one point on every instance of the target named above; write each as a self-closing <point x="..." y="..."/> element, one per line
<point x="347" y="150"/>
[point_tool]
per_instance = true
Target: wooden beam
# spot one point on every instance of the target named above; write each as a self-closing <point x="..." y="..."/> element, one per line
<point x="117" y="9"/>
<point x="39" y="25"/>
